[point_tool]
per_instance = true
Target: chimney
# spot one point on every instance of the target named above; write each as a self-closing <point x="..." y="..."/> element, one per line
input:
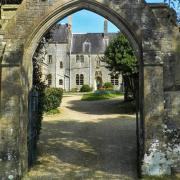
<point x="70" y="22"/>
<point x="105" y="26"/>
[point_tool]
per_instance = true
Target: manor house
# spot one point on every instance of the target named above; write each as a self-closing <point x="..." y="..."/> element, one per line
<point x="73" y="60"/>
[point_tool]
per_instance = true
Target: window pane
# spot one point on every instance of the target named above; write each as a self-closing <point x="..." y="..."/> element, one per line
<point x="81" y="79"/>
<point x="82" y="58"/>
<point x="50" y="59"/>
<point x="61" y="64"/>
<point x="49" y="78"/>
<point x="60" y="82"/>
<point x="77" y="58"/>
<point x="77" y="79"/>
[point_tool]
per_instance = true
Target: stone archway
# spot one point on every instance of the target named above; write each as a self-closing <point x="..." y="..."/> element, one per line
<point x="151" y="34"/>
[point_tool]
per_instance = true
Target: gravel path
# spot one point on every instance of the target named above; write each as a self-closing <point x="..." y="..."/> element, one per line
<point x="87" y="141"/>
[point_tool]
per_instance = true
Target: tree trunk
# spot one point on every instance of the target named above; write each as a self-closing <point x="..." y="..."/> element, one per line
<point x="131" y="84"/>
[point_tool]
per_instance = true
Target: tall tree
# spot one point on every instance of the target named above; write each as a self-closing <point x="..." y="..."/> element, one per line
<point x="119" y="57"/>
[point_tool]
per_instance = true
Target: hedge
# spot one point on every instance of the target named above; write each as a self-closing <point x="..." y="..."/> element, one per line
<point x="52" y="98"/>
<point x="85" y="88"/>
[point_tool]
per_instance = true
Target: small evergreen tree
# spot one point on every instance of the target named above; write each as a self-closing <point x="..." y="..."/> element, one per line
<point x="120" y="58"/>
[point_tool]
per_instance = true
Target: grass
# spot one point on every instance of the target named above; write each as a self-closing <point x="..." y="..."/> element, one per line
<point x="52" y="112"/>
<point x="161" y="178"/>
<point x="101" y="95"/>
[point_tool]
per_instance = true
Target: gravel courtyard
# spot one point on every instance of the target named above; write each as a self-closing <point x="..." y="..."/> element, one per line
<point x="87" y="141"/>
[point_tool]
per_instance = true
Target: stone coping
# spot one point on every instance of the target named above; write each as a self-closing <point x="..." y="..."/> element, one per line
<point x="9" y="6"/>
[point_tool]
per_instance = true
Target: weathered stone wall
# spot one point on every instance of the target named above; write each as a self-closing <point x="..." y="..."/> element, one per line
<point x="148" y="29"/>
<point x="161" y="152"/>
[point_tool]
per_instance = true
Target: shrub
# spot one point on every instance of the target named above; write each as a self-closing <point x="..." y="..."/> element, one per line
<point x="52" y="99"/>
<point x="85" y="88"/>
<point x="108" y="85"/>
<point x="74" y="90"/>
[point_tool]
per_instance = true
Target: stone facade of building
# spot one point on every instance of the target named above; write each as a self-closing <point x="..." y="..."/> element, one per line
<point x="75" y="59"/>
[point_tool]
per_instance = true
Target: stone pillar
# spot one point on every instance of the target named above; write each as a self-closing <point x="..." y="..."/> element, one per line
<point x="160" y="107"/>
<point x="154" y="162"/>
<point x="13" y="119"/>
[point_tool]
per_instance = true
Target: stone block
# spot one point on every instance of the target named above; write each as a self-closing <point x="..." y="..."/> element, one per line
<point x="152" y="58"/>
<point x="8" y="11"/>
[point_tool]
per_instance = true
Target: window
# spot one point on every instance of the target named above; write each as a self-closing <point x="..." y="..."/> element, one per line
<point x="77" y="58"/>
<point x="115" y="80"/>
<point x="50" y="59"/>
<point x="61" y="64"/>
<point x="60" y="82"/>
<point x="82" y="58"/>
<point x="79" y="79"/>
<point x="49" y="78"/>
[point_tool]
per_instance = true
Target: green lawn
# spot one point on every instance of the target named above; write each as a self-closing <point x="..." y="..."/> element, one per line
<point x="52" y="112"/>
<point x="162" y="178"/>
<point x="101" y="95"/>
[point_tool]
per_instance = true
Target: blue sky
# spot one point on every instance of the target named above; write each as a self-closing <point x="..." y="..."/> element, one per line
<point x="85" y="21"/>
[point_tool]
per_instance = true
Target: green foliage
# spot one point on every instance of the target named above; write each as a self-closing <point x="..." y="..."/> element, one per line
<point x="39" y="87"/>
<point x="120" y="57"/>
<point x="85" y="88"/>
<point x="53" y="111"/>
<point x="108" y="85"/>
<point x="74" y="90"/>
<point x="101" y="95"/>
<point x="52" y="98"/>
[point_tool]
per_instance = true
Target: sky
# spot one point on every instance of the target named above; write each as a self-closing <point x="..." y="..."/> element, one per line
<point x="86" y="21"/>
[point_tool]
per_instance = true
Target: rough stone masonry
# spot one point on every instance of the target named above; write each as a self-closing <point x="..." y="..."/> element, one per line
<point x="154" y="35"/>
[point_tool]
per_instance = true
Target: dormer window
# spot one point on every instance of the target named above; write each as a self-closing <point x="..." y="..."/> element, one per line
<point x="86" y="47"/>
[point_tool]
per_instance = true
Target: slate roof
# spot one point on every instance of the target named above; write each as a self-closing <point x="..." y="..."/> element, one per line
<point x="58" y="34"/>
<point x="93" y="43"/>
<point x="96" y="41"/>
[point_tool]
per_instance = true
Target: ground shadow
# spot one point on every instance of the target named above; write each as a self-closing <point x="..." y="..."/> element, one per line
<point x="108" y="145"/>
<point x="114" y="106"/>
